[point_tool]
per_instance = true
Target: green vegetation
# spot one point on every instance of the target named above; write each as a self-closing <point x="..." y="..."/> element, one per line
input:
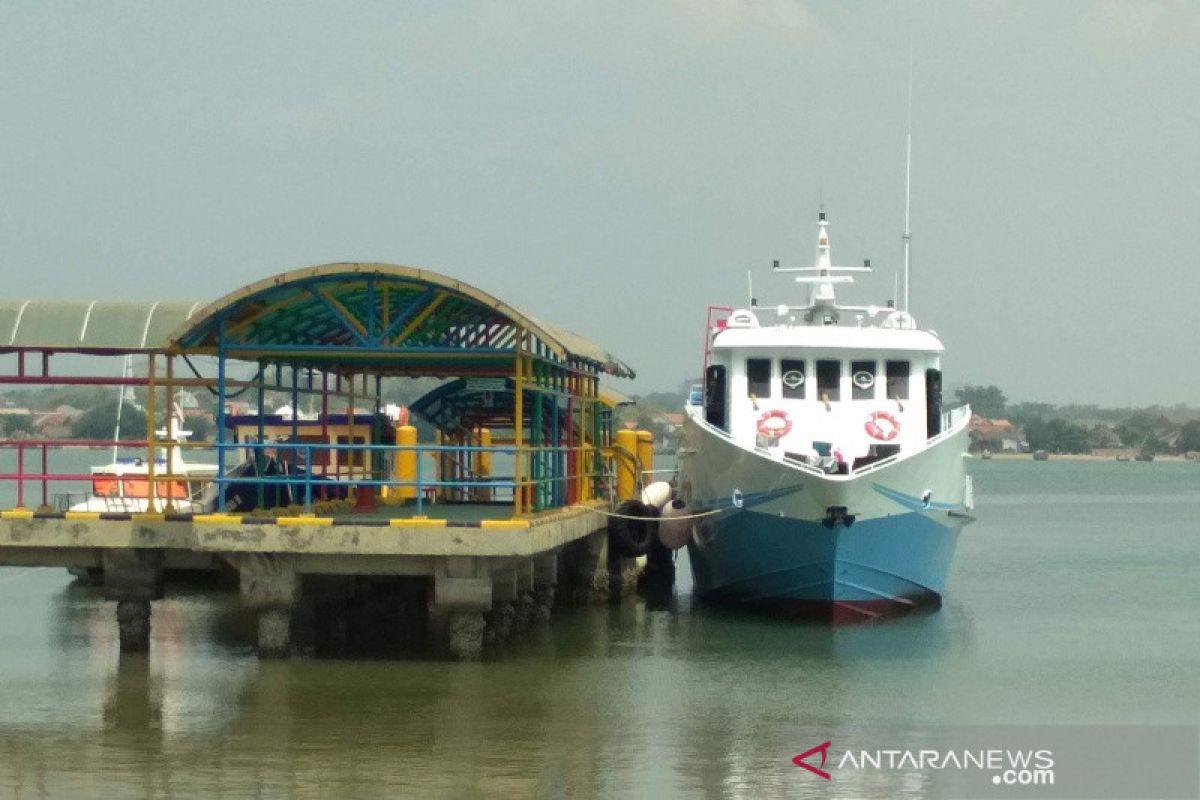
<point x="987" y="401"/>
<point x="1077" y="428"/>
<point x="100" y="421"/>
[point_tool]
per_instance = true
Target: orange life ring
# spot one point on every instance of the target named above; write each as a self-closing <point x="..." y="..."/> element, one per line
<point x="885" y="432"/>
<point x="767" y="427"/>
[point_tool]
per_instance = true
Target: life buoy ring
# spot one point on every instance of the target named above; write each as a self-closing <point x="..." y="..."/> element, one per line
<point x="774" y="423"/>
<point x="882" y="426"/>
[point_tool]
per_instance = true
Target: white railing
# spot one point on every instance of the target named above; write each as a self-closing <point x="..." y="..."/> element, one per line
<point x="954" y="416"/>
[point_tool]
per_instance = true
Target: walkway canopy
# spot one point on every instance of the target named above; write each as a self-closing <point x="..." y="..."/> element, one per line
<point x="529" y="392"/>
<point x="99" y="327"/>
<point x="381" y="318"/>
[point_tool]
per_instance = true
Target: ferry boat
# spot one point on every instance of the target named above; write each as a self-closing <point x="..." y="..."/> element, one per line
<point x="834" y="477"/>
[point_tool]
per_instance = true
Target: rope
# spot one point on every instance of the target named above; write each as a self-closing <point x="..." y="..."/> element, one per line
<point x="630" y="516"/>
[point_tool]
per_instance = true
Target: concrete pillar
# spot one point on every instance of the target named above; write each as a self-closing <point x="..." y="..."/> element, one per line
<point x="500" y="618"/>
<point x="270" y="586"/>
<point x="466" y="634"/>
<point x="133" y="625"/>
<point x="583" y="570"/>
<point x="523" y="604"/>
<point x="545" y="579"/>
<point x="274" y="632"/>
<point x="133" y="578"/>
<point x="462" y="593"/>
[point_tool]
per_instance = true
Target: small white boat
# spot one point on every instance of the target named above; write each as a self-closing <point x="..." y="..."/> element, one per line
<point x="123" y="485"/>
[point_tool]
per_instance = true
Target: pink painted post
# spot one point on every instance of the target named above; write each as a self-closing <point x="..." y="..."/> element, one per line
<point x="21" y="474"/>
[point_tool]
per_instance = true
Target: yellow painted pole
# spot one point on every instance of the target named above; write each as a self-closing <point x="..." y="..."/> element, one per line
<point x="406" y="461"/>
<point x="519" y="424"/>
<point x="483" y="463"/>
<point x="626" y="446"/>
<point x="645" y="452"/>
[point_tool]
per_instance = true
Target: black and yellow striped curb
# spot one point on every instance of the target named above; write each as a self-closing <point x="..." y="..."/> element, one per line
<point x="260" y="519"/>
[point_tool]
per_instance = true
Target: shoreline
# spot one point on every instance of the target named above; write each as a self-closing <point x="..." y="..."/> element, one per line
<point x="1077" y="457"/>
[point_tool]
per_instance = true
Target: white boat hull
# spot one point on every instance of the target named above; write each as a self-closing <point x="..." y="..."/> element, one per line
<point x="837" y="547"/>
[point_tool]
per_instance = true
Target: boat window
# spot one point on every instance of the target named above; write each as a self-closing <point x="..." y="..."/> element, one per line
<point x="862" y="380"/>
<point x="792" y="378"/>
<point x="136" y="488"/>
<point x="758" y="377"/>
<point x="176" y="489"/>
<point x="933" y="399"/>
<point x="714" y="396"/>
<point x="897" y="380"/>
<point x="829" y="379"/>
<point x="105" y="487"/>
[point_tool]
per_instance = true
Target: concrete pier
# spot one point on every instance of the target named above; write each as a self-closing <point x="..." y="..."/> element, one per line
<point x="133" y="578"/>
<point x="486" y="583"/>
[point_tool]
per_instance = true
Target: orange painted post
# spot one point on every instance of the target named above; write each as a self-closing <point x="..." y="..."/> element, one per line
<point x="483" y="463"/>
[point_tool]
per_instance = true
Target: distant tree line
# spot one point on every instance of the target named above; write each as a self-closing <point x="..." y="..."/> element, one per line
<point x="1083" y="428"/>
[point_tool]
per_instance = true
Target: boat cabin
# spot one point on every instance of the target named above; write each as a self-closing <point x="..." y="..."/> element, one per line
<point x="838" y="396"/>
<point x="125" y="486"/>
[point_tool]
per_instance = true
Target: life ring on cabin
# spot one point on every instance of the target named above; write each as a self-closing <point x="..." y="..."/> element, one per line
<point x="774" y="423"/>
<point x="882" y="426"/>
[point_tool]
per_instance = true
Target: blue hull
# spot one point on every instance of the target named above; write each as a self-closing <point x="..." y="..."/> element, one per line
<point x="875" y="567"/>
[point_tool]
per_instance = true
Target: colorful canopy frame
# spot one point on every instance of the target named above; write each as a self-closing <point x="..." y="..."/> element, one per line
<point x="355" y="320"/>
<point x="382" y="318"/>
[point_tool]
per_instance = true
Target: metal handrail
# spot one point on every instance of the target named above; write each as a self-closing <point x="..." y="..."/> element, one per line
<point x="302" y="455"/>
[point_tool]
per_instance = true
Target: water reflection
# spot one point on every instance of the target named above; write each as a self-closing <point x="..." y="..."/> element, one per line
<point x="609" y="701"/>
<point x="619" y="701"/>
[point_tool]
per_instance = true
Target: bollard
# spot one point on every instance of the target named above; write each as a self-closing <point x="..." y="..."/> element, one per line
<point x="627" y="447"/>
<point x="406" y="462"/>
<point x="645" y="454"/>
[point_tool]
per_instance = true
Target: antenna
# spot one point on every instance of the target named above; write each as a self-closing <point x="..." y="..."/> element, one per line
<point x="908" y="176"/>
<point x="750" y="286"/>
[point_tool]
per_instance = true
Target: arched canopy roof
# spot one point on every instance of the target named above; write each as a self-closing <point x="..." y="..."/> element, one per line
<point x="381" y="318"/>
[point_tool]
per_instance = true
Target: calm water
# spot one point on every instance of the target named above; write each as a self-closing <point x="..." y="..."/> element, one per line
<point x="1075" y="598"/>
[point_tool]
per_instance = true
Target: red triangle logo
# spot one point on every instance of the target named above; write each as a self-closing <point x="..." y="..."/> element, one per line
<point x="823" y="749"/>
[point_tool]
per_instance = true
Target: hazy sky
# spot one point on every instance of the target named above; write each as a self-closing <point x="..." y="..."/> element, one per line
<point x="616" y="167"/>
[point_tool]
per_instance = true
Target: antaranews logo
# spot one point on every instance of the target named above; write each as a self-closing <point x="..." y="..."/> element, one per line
<point x="823" y="749"/>
<point x="1010" y="767"/>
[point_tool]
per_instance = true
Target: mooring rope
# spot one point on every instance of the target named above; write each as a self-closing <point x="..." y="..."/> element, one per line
<point x="697" y="515"/>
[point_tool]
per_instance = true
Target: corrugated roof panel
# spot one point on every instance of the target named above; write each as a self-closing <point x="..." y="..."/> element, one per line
<point x="83" y="325"/>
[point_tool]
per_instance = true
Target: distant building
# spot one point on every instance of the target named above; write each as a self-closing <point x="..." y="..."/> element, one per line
<point x="57" y="424"/>
<point x="15" y="422"/>
<point x="995" y="435"/>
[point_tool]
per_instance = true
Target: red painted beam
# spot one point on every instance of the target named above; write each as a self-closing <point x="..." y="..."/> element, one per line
<point x="29" y="443"/>
<point x="71" y="380"/>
